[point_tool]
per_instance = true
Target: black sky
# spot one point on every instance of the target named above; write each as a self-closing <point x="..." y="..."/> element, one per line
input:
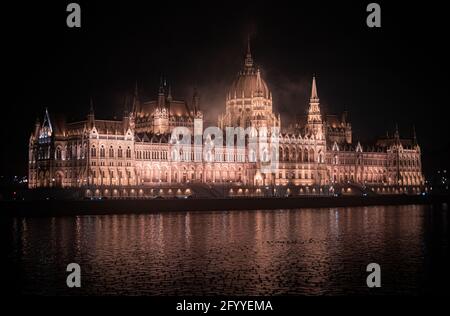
<point x="381" y="76"/>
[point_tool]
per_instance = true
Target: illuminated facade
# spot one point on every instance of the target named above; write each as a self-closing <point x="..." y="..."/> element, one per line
<point x="140" y="155"/>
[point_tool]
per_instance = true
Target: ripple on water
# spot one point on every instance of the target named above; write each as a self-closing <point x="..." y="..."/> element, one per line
<point x="285" y="252"/>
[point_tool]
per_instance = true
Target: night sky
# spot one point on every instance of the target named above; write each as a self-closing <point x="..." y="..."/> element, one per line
<point x="397" y="73"/>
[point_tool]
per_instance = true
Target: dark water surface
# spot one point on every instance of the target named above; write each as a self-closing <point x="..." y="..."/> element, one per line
<point x="283" y="252"/>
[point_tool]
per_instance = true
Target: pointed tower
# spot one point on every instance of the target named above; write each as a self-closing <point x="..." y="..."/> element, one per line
<point x="314" y="115"/>
<point x="259" y="86"/>
<point x="396" y="135"/>
<point x="195" y="101"/>
<point x="314" y="125"/>
<point x="198" y="127"/>
<point x="396" y="156"/>
<point x="414" y="136"/>
<point x="161" y="93"/>
<point x="161" y="113"/>
<point x="248" y="57"/>
<point x="169" y="95"/>
<point x="126" y="115"/>
<point x="91" y="114"/>
<point x="37" y="126"/>
<point x="136" y="105"/>
<point x="46" y="129"/>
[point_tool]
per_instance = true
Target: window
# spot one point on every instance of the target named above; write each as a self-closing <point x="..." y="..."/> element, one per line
<point x="58" y="153"/>
<point x="128" y="152"/>
<point x="111" y="152"/>
<point x="102" y="152"/>
<point x="119" y="152"/>
<point x="93" y="151"/>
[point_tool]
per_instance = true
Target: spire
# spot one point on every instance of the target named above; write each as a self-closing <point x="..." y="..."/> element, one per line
<point x="258" y="82"/>
<point x="135" y="106"/>
<point x="91" y="114"/>
<point x="396" y="133"/>
<point x="162" y="83"/>
<point x="248" y="57"/>
<point x="126" y="110"/>
<point x="91" y="106"/>
<point x="196" y="101"/>
<point x="47" y="119"/>
<point x="127" y="118"/>
<point x="136" y="88"/>
<point x="161" y="96"/>
<point x="47" y="124"/>
<point x="314" y="96"/>
<point x="37" y="126"/>
<point x="169" y="94"/>
<point x="314" y="115"/>
<point x="414" y="135"/>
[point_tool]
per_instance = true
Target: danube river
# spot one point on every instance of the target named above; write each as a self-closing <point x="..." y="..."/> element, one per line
<point x="281" y="252"/>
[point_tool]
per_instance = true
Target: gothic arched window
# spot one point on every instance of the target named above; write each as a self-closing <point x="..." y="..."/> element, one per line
<point x="58" y="153"/>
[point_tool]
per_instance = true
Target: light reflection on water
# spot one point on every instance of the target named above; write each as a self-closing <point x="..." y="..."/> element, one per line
<point x="307" y="251"/>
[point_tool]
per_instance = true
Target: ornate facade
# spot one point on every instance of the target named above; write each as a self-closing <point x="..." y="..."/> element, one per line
<point x="141" y="154"/>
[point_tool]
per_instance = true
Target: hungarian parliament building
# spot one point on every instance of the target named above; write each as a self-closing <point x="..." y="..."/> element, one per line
<point x="142" y="154"/>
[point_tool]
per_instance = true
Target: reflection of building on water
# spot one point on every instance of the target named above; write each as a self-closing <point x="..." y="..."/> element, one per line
<point x="140" y="156"/>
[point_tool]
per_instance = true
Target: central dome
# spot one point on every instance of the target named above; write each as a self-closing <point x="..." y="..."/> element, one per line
<point x="249" y="101"/>
<point x="249" y="83"/>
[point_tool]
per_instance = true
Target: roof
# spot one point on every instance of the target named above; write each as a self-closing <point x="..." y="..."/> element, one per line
<point x="176" y="108"/>
<point x="152" y="137"/>
<point x="249" y="83"/>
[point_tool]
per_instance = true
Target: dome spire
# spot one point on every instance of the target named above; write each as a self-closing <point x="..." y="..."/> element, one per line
<point x="248" y="57"/>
